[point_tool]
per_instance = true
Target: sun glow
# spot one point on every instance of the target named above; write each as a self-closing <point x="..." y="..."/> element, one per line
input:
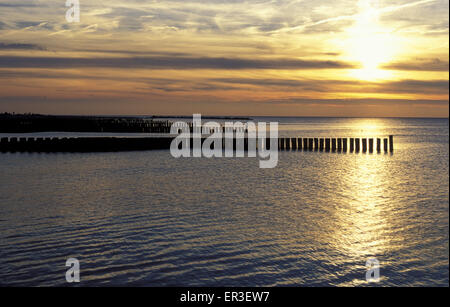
<point x="369" y="44"/>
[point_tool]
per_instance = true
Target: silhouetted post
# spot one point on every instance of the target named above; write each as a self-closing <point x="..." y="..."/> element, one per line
<point x="364" y="141"/>
<point x="344" y="144"/>
<point x="333" y="144"/>
<point x="385" y="143"/>
<point x="31" y="145"/>
<point x="13" y="144"/>
<point x="322" y="141"/>
<point x="357" y="147"/>
<point x="352" y="144"/>
<point x="305" y="144"/>
<point x="370" y="145"/>
<point x="281" y="143"/>
<point x="64" y="142"/>
<point x="39" y="144"/>
<point x="316" y="144"/>
<point x="310" y="145"/>
<point x="327" y="144"/>
<point x="288" y="143"/>
<point x="55" y="144"/>
<point x="300" y="145"/>
<point x="4" y="144"/>
<point x="267" y="145"/>
<point x="22" y="145"/>
<point x="294" y="143"/>
<point x="378" y="145"/>
<point x="391" y="143"/>
<point x="339" y="144"/>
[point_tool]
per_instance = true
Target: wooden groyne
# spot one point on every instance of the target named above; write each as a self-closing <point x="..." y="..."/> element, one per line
<point x="83" y="144"/>
<point x="107" y="144"/>
<point x="352" y="145"/>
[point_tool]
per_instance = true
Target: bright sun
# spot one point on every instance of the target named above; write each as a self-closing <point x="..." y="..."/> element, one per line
<point x="369" y="44"/>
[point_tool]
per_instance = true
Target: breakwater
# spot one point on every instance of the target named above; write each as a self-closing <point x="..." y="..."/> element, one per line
<point x="106" y="144"/>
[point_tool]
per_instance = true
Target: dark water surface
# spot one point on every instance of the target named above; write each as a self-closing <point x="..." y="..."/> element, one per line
<point x="147" y="219"/>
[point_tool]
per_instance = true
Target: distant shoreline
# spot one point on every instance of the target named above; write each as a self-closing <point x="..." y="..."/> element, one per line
<point x="33" y="115"/>
<point x="29" y="123"/>
<point x="217" y="117"/>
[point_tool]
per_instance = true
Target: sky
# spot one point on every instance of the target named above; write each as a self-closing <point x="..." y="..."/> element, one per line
<point x="374" y="58"/>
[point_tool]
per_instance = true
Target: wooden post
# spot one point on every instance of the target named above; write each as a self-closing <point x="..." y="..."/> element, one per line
<point x="391" y="143"/>
<point x="281" y="143"/>
<point x="344" y="144"/>
<point x="288" y="143"/>
<point x="300" y="145"/>
<point x="31" y="144"/>
<point x="39" y="144"/>
<point x="333" y="144"/>
<point x="364" y="145"/>
<point x="352" y="144"/>
<point x="4" y="144"/>
<point x="371" y="145"/>
<point x="339" y="144"/>
<point x="310" y="144"/>
<point x="327" y="144"/>
<point x="316" y="144"/>
<point x="357" y="147"/>
<point x="305" y="144"/>
<point x="13" y="144"/>
<point x="385" y="143"/>
<point x="321" y="144"/>
<point x="294" y="143"/>
<point x="22" y="144"/>
<point x="378" y="145"/>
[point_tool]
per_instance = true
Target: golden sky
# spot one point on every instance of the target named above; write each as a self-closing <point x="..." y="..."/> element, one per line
<point x="226" y="57"/>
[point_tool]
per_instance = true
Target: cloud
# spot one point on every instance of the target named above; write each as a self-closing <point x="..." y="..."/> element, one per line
<point x="19" y="46"/>
<point x="359" y="101"/>
<point x="17" y="4"/>
<point x="432" y="65"/>
<point x="434" y="87"/>
<point x="311" y="87"/>
<point x="415" y="86"/>
<point x="162" y="62"/>
<point x="244" y="107"/>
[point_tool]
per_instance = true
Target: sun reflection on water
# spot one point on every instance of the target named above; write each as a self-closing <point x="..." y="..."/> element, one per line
<point x="363" y="220"/>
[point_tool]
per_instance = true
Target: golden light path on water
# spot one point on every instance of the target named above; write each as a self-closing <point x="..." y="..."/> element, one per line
<point x="362" y="224"/>
<point x="359" y="223"/>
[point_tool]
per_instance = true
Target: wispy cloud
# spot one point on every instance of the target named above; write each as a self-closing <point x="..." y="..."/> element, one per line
<point x="19" y="46"/>
<point x="162" y="62"/>
<point x="431" y="65"/>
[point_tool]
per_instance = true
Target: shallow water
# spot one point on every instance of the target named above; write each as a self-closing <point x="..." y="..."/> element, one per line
<point x="147" y="219"/>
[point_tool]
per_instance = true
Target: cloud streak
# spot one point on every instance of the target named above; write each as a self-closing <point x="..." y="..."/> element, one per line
<point x="18" y="46"/>
<point x="434" y="65"/>
<point x="162" y="62"/>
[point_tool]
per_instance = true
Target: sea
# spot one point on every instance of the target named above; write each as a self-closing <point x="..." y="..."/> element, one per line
<point x="145" y="218"/>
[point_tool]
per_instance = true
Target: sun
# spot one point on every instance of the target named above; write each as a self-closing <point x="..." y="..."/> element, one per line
<point x="369" y="44"/>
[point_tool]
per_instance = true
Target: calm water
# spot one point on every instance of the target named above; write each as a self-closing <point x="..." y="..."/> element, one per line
<point x="147" y="219"/>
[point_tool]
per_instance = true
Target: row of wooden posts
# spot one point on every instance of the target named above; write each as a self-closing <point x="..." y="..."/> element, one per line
<point x="338" y="144"/>
<point x="91" y="144"/>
